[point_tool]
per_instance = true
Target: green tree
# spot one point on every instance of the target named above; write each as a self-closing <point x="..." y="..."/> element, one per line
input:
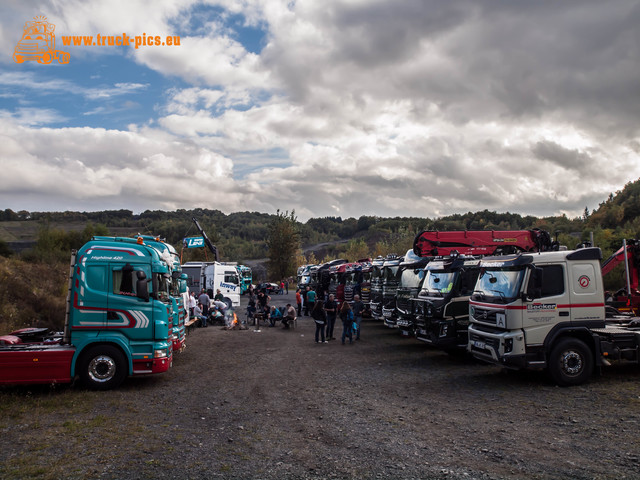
<point x="283" y="243"/>
<point x="356" y="250"/>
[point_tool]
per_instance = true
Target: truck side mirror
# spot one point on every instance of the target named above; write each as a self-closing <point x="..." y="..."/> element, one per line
<point x="142" y="286"/>
<point x="534" y="287"/>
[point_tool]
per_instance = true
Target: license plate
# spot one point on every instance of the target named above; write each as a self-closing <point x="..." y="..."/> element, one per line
<point x="386" y="314"/>
<point x="478" y="344"/>
<point x="422" y="332"/>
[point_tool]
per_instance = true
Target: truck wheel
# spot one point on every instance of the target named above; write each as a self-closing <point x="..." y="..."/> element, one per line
<point x="571" y="362"/>
<point x="102" y="367"/>
<point x="46" y="58"/>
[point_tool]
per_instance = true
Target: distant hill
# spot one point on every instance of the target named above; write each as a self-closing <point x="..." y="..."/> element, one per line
<point x="241" y="236"/>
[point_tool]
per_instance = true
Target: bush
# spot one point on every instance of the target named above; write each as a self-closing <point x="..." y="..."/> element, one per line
<point x="32" y="294"/>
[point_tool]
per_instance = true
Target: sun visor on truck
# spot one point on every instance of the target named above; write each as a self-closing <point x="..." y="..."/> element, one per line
<point x="506" y="261"/>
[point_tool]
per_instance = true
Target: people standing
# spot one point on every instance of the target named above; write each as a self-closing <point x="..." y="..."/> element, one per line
<point x="346" y="315"/>
<point x="358" y="309"/>
<point x="305" y="292"/>
<point x="331" y="309"/>
<point x="319" y="318"/>
<point x="286" y="286"/>
<point x="205" y="301"/>
<point x="192" y="302"/>
<point x="311" y="299"/>
<point x="299" y="302"/>
<point x="219" y="295"/>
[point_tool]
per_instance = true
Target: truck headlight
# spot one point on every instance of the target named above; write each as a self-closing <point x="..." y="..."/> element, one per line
<point x="162" y="353"/>
<point x="444" y="329"/>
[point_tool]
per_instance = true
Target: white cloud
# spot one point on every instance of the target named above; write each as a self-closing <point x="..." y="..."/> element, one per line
<point x="31" y="81"/>
<point x="390" y="108"/>
<point x="136" y="170"/>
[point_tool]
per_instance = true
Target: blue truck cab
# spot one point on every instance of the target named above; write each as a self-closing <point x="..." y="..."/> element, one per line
<point x="176" y="288"/>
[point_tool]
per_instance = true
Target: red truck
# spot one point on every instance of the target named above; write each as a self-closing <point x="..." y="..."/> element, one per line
<point x="625" y="300"/>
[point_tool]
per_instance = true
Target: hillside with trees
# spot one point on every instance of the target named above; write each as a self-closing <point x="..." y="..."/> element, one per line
<point x="243" y="236"/>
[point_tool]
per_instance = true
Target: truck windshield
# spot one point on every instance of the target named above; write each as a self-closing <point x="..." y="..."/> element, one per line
<point x="500" y="285"/>
<point x="411" y="277"/>
<point x="164" y="283"/>
<point x="175" y="287"/>
<point x="389" y="273"/>
<point x="438" y="283"/>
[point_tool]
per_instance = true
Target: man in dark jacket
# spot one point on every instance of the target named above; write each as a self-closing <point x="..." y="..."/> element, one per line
<point x="331" y="309"/>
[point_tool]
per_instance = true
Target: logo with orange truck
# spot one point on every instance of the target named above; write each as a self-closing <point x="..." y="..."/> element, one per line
<point x="38" y="43"/>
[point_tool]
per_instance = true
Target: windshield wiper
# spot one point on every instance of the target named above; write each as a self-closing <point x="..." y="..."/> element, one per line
<point x="480" y="293"/>
<point x="502" y="297"/>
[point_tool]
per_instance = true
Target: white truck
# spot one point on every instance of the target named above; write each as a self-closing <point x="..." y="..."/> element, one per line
<point x="213" y="276"/>
<point x="547" y="310"/>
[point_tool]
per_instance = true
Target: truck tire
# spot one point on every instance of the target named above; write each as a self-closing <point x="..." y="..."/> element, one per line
<point x="102" y="367"/>
<point x="571" y="362"/>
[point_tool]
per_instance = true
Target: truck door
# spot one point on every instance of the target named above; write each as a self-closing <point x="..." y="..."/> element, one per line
<point x="552" y="306"/>
<point x="126" y="312"/>
<point x="91" y="287"/>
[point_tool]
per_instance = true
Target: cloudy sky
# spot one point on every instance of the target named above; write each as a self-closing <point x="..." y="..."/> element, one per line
<point x="332" y="107"/>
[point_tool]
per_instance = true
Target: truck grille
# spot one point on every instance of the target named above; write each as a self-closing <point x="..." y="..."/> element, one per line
<point x="484" y="315"/>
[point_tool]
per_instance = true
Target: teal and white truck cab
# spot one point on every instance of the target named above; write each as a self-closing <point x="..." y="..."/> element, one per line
<point x="116" y="323"/>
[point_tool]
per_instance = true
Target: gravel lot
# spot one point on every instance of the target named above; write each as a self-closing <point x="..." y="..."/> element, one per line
<point x="275" y="405"/>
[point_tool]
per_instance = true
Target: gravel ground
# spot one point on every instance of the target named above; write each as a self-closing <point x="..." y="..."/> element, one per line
<point x="275" y="405"/>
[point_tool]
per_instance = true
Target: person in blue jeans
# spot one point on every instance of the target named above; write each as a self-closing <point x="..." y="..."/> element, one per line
<point x="358" y="308"/>
<point x="346" y="315"/>
<point x="331" y="310"/>
<point x="319" y="318"/>
<point x="197" y="313"/>
<point x="274" y="316"/>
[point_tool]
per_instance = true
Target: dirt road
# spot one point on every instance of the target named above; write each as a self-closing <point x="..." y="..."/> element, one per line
<point x="275" y="405"/>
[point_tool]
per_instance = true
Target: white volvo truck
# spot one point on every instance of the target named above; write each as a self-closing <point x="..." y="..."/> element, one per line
<point x="547" y="310"/>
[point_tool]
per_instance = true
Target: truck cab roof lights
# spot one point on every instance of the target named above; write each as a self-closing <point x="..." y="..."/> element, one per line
<point x="454" y="263"/>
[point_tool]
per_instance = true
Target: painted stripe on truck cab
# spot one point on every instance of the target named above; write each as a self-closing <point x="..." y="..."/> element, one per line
<point x="524" y="307"/>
